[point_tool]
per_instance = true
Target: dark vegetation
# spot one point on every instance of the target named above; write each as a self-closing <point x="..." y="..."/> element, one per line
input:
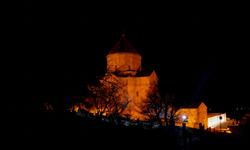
<point x="49" y="130"/>
<point x="43" y="129"/>
<point x="29" y="126"/>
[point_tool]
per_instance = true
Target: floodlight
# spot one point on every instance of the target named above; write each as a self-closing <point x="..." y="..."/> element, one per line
<point x="184" y="117"/>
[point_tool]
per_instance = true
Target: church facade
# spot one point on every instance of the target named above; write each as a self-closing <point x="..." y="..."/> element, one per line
<point x="124" y="62"/>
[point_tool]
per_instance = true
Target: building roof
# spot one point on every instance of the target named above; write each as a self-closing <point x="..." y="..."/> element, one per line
<point x="144" y="73"/>
<point x="138" y="74"/>
<point x="123" y="45"/>
<point x="192" y="105"/>
<point x="214" y="114"/>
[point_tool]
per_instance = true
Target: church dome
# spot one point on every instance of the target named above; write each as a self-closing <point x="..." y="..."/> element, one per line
<point x="123" y="45"/>
<point x="124" y="58"/>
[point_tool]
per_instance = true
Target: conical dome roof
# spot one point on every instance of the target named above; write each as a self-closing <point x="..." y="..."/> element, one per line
<point x="123" y="45"/>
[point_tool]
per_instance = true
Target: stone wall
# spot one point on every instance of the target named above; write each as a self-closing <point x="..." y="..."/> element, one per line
<point x="195" y="116"/>
<point x="123" y="61"/>
<point x="192" y="114"/>
<point x="202" y="115"/>
<point x="214" y="119"/>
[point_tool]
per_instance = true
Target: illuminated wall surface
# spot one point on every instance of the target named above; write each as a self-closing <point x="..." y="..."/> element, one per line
<point x="196" y="115"/>
<point x="191" y="113"/>
<point x="214" y="119"/>
<point x="125" y="62"/>
<point x="200" y="115"/>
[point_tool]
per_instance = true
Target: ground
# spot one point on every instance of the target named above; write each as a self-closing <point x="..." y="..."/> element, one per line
<point x="224" y="126"/>
<point x="25" y="131"/>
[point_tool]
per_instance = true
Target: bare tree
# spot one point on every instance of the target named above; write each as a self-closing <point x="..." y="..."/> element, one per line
<point x="170" y="108"/>
<point x="152" y="106"/>
<point x="108" y="96"/>
<point x="159" y="107"/>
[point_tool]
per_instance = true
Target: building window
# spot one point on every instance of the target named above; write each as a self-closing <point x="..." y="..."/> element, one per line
<point x="137" y="93"/>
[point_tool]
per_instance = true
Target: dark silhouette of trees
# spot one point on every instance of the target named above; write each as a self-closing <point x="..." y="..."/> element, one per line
<point x="108" y="96"/>
<point x="63" y="104"/>
<point x="170" y="108"/>
<point x="159" y="107"/>
<point x="245" y="121"/>
<point x="152" y="106"/>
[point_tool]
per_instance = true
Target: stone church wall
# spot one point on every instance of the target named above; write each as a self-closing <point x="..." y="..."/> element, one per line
<point x="123" y="61"/>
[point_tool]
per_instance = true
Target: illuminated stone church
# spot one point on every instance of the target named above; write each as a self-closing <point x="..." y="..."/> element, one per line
<point x="124" y="62"/>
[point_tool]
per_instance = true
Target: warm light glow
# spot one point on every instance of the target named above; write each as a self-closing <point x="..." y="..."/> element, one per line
<point x="192" y="118"/>
<point x="125" y="65"/>
<point x="215" y="120"/>
<point x="48" y="106"/>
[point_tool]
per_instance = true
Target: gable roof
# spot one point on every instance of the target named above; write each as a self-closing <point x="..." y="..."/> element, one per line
<point x="213" y="114"/>
<point x="123" y="45"/>
<point x="192" y="105"/>
<point x="144" y="73"/>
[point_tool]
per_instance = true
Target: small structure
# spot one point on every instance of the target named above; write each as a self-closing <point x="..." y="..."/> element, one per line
<point x="196" y="113"/>
<point x="214" y="119"/>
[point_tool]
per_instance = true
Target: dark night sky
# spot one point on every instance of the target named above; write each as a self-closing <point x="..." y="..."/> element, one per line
<point x="53" y="49"/>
